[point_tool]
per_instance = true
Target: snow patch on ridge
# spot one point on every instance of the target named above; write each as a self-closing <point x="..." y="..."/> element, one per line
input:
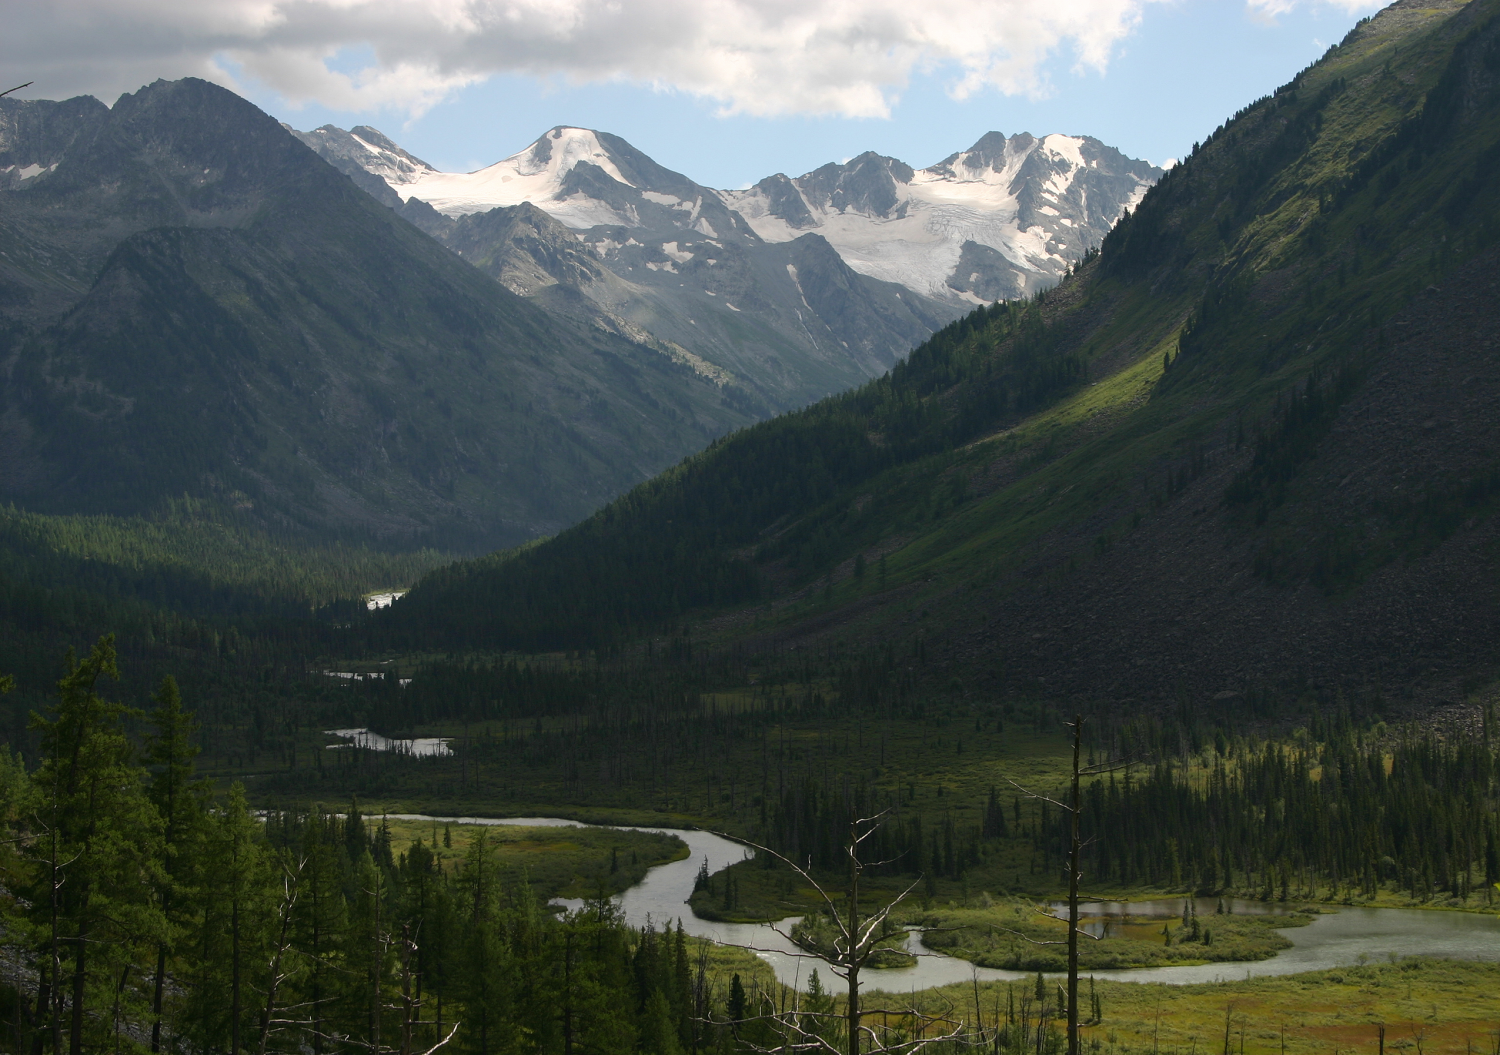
<point x="1037" y="203"/>
<point x="31" y="171"/>
<point x="973" y="196"/>
<point x="536" y="174"/>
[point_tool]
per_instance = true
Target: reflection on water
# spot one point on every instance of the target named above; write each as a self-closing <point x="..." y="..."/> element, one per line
<point x="383" y="600"/>
<point x="1335" y="939"/>
<point x="1173" y="907"/>
<point x="1131" y="919"/>
<point x="421" y="747"/>
<point x="365" y="676"/>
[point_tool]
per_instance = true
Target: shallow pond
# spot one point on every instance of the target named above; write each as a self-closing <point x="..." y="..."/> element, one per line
<point x="421" y="747"/>
<point x="1334" y="939"/>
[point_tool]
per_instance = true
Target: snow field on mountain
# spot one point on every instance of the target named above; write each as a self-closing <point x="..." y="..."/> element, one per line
<point x="525" y="176"/>
<point x="913" y="233"/>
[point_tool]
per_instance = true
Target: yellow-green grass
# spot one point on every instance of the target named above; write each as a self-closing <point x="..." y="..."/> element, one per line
<point x="556" y="862"/>
<point x="1427" y="1006"/>
<point x="1009" y="934"/>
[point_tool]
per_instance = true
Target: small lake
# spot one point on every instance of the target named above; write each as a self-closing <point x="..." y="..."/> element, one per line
<point x="421" y="747"/>
<point x="1334" y="939"/>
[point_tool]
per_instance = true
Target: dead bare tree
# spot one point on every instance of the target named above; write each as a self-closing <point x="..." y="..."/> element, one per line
<point x="857" y="938"/>
<point x="291" y="880"/>
<point x="1074" y="809"/>
<point x="410" y="1006"/>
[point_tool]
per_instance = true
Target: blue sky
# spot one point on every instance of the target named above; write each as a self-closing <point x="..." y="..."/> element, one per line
<point x="1185" y="67"/>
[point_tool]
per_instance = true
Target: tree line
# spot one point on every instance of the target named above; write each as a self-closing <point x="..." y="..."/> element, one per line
<point x="1356" y="813"/>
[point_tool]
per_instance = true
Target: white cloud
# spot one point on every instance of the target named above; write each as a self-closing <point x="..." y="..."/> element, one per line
<point x="762" y="57"/>
<point x="1271" y="9"/>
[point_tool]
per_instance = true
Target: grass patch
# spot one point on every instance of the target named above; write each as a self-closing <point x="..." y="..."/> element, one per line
<point x="1007" y="935"/>
<point x="556" y="862"/>
<point x="1431" y="1007"/>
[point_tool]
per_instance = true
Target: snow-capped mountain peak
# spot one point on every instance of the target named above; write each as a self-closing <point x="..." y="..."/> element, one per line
<point x="541" y="174"/>
<point x="559" y="151"/>
<point x="1003" y="218"/>
<point x="1006" y="216"/>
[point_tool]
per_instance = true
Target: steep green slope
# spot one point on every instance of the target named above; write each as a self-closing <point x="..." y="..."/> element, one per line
<point x="1047" y="505"/>
<point x="198" y="304"/>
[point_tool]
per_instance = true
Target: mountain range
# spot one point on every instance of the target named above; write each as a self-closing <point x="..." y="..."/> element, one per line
<point x="798" y="288"/>
<point x="1243" y="455"/>
<point x="192" y="302"/>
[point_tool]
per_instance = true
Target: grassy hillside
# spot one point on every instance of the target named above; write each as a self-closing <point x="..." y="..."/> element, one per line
<point x="1140" y="456"/>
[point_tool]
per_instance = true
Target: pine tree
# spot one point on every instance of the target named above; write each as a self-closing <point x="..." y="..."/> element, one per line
<point x="320" y="924"/>
<point x="98" y="859"/>
<point x="736" y="1006"/>
<point x="484" y="982"/>
<point x="658" y="1030"/>
<point x="18" y="804"/>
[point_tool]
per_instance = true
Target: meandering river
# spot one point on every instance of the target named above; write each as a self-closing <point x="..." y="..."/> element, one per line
<point x="1335" y="939"/>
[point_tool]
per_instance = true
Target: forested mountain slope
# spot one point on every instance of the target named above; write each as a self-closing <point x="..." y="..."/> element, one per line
<point x="1250" y="445"/>
<point x="192" y="302"/>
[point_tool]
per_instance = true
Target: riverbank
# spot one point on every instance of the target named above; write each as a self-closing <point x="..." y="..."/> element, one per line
<point x="1018" y="935"/>
<point x="751" y="893"/>
<point x="1331" y="940"/>
<point x="948" y="774"/>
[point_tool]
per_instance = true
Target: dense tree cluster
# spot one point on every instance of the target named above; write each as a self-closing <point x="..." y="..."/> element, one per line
<point x="144" y="913"/>
<point x="1350" y="812"/>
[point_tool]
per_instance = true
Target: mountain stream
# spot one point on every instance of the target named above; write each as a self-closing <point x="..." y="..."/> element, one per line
<point x="1335" y="939"/>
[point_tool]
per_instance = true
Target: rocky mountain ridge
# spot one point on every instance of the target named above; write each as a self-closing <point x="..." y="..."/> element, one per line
<point x="1002" y="219"/>
<point x="599" y="232"/>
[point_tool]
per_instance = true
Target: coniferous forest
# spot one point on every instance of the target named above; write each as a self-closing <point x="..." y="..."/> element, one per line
<point x="145" y="910"/>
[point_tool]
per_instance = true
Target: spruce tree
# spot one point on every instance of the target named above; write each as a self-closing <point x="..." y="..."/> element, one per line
<point x="179" y="802"/>
<point x="232" y="927"/>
